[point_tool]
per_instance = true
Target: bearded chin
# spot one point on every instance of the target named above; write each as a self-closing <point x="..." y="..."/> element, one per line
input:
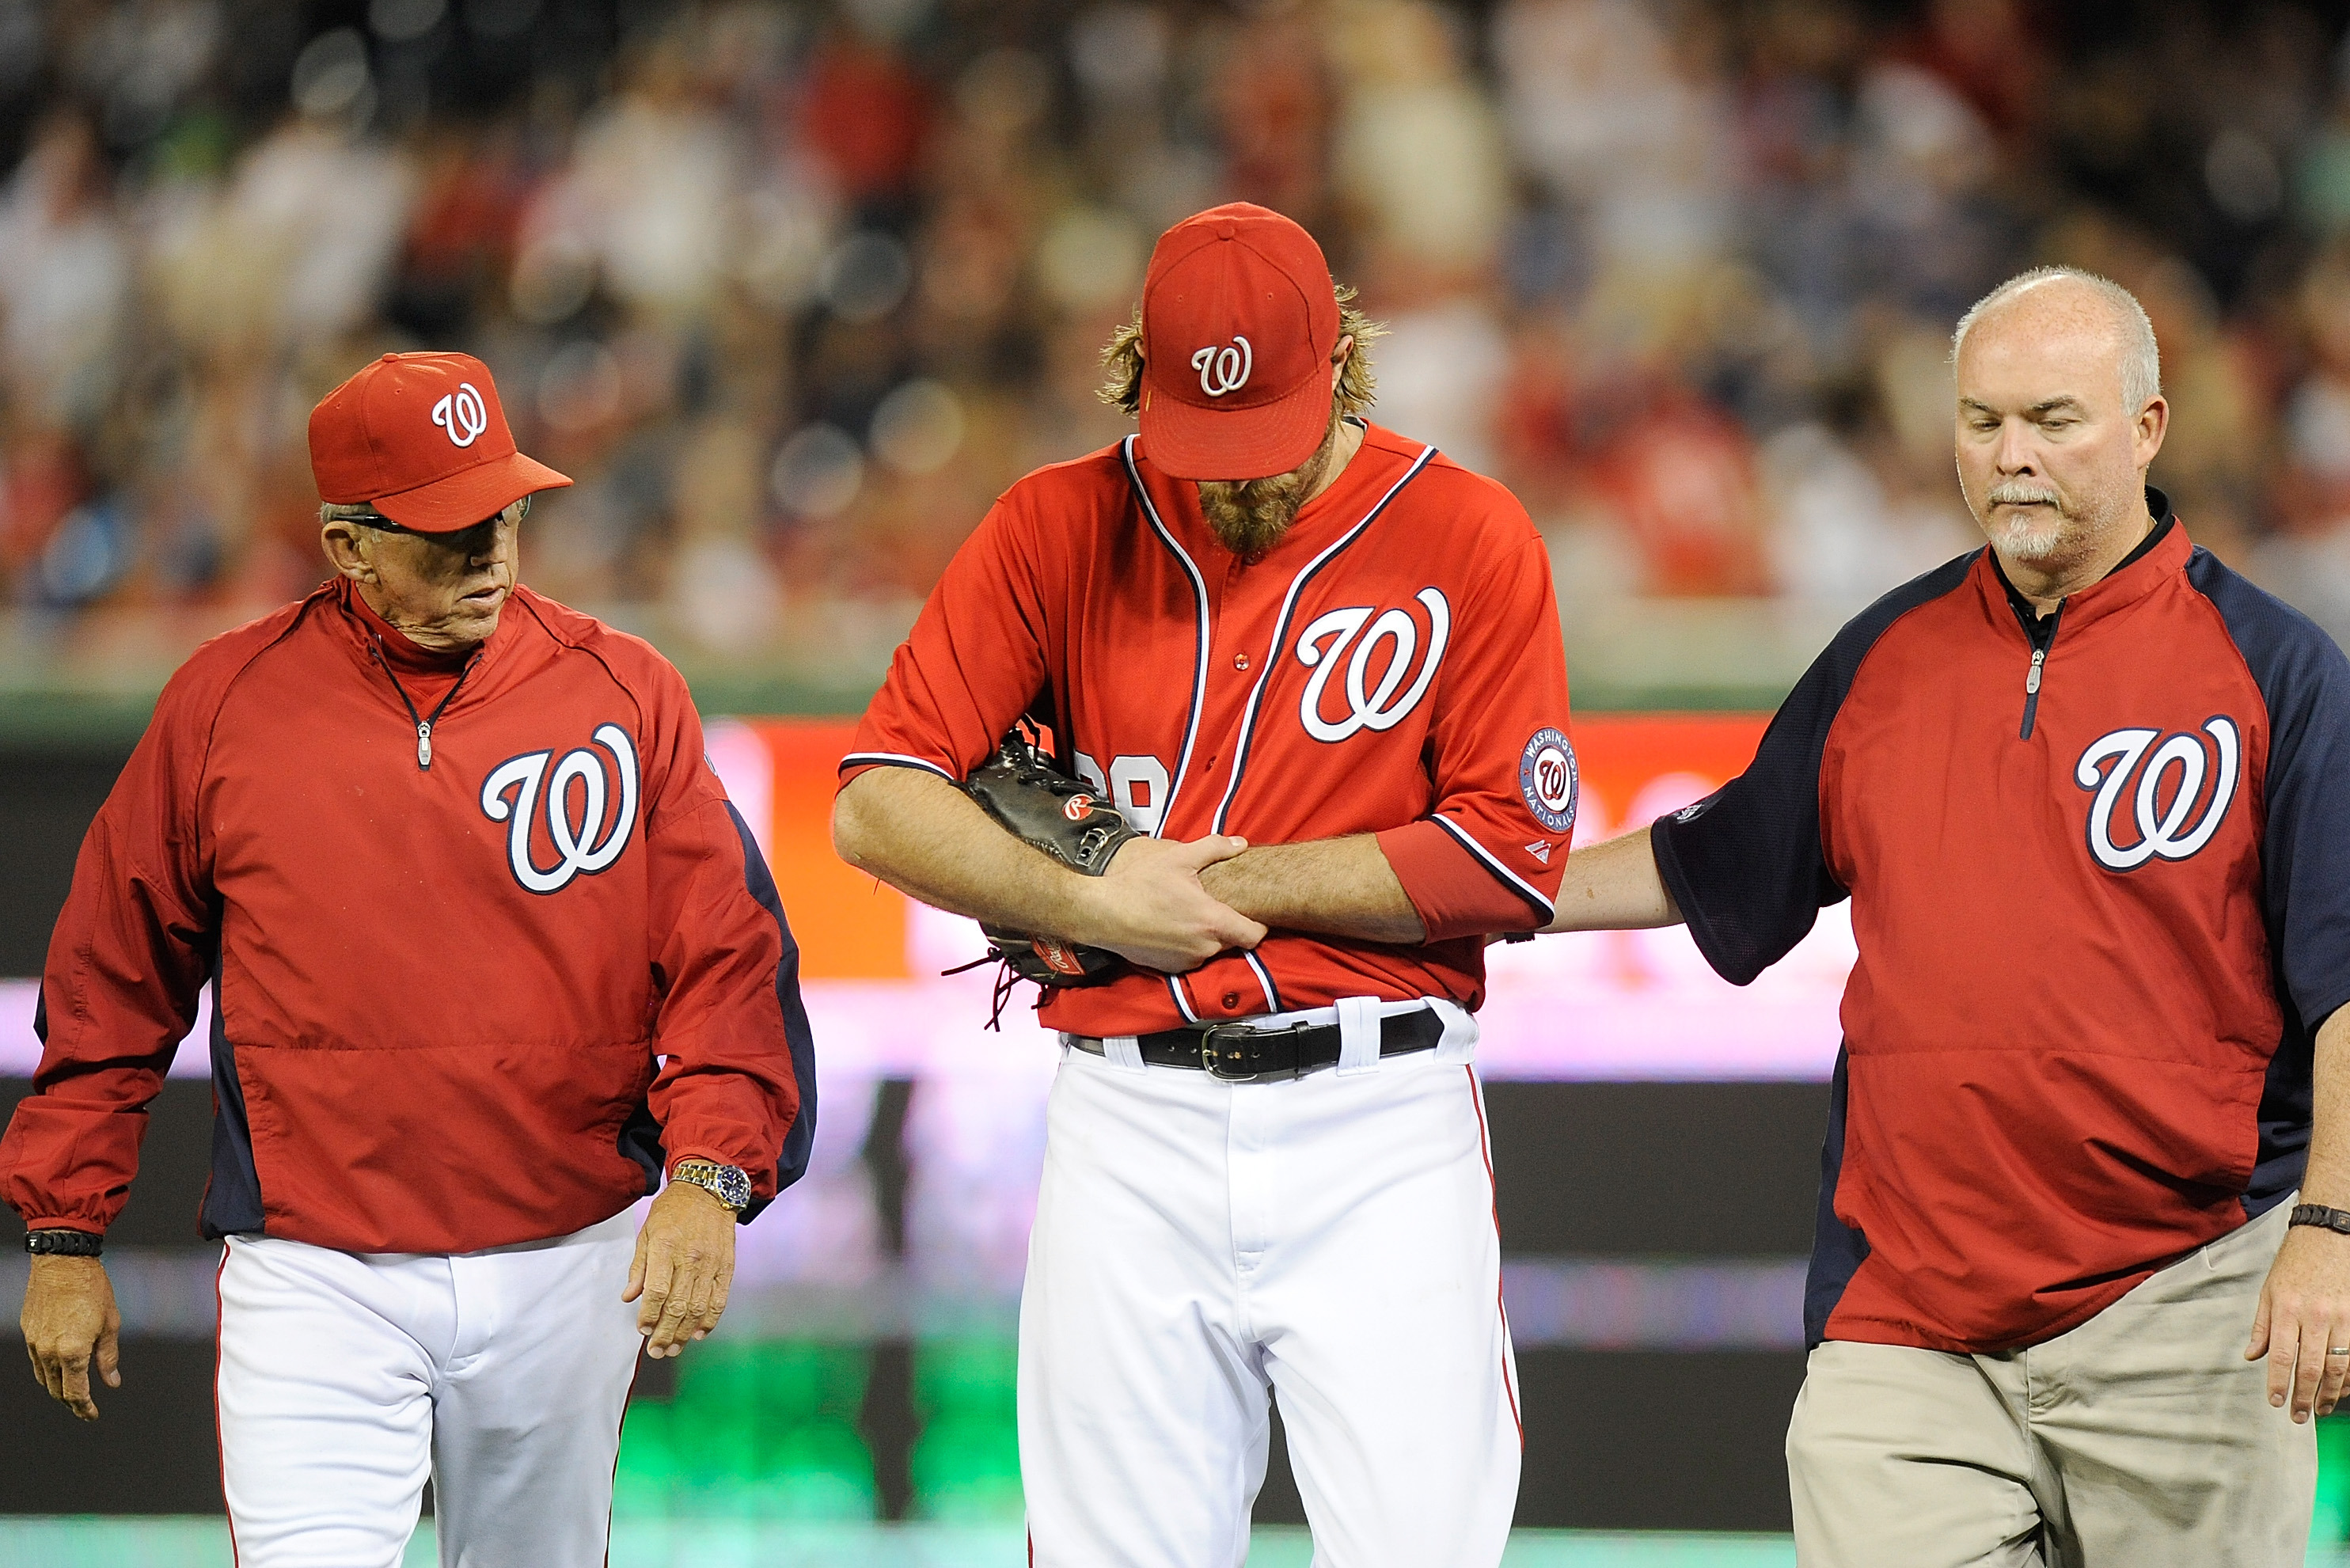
<point x="2020" y="541"/>
<point x="2026" y="544"/>
<point x="1250" y="518"/>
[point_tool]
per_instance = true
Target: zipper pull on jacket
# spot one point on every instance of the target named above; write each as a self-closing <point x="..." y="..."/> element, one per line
<point x="2042" y="633"/>
<point x="424" y="726"/>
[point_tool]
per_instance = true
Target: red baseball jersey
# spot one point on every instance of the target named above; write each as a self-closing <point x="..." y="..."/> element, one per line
<point x="1392" y="666"/>
<point x="441" y="996"/>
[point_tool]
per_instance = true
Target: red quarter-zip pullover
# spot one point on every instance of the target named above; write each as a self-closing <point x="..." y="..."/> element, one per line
<point x="2102" y="900"/>
<point x="455" y="1005"/>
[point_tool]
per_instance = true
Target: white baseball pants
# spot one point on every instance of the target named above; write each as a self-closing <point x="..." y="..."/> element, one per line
<point x="1330" y="1239"/>
<point x="346" y="1378"/>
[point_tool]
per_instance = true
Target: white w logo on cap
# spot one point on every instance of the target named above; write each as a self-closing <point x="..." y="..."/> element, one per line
<point x="462" y="414"/>
<point x="1224" y="370"/>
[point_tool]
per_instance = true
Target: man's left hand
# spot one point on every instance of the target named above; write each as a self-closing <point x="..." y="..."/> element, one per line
<point x="2304" y="1315"/>
<point x="684" y="1268"/>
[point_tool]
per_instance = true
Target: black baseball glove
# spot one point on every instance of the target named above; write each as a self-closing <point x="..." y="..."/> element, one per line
<point x="1041" y="805"/>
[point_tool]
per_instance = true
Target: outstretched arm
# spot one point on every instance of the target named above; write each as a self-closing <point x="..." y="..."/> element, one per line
<point x="925" y="838"/>
<point x="1614" y="887"/>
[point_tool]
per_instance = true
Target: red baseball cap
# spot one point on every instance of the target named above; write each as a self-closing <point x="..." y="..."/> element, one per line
<point x="421" y="438"/>
<point x="1239" y="318"/>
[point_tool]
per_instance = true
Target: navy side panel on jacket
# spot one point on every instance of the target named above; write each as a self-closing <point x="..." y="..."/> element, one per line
<point x="232" y="1205"/>
<point x="2304" y="683"/>
<point x="1837" y="1249"/>
<point x="1744" y="864"/>
<point x="641" y="1140"/>
<point x="792" y="1163"/>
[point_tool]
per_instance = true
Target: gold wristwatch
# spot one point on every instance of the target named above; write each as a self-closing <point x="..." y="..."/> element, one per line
<point x="727" y="1183"/>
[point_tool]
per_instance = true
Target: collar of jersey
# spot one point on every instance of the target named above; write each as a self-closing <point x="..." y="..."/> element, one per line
<point x="2163" y="551"/>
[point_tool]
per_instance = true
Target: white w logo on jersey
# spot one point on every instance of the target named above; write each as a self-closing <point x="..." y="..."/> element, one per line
<point x="577" y="849"/>
<point x="1370" y="707"/>
<point x="2161" y="831"/>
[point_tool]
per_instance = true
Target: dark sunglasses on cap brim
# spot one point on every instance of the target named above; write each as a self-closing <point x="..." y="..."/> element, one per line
<point x="382" y="525"/>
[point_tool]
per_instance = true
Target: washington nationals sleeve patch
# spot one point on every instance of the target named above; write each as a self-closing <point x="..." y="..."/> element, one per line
<point x="1547" y="778"/>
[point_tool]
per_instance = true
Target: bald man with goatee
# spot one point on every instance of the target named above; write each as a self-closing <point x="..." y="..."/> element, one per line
<point x="2082" y="1271"/>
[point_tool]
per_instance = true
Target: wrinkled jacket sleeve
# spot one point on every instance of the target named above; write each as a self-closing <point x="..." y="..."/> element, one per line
<point x="1482" y="861"/>
<point x="737" y="1079"/>
<point x="126" y="961"/>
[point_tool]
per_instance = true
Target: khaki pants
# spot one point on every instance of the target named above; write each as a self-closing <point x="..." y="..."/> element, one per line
<point x="2142" y="1438"/>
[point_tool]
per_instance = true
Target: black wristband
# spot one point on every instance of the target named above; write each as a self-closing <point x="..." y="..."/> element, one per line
<point x="63" y="1243"/>
<point x="2318" y="1214"/>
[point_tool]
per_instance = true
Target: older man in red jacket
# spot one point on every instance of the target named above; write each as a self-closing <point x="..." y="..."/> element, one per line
<point x="2087" y="1160"/>
<point x="490" y="953"/>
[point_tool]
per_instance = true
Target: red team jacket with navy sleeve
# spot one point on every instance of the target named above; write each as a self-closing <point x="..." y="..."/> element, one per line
<point x="453" y="1007"/>
<point x="2101" y="916"/>
<point x="1392" y="664"/>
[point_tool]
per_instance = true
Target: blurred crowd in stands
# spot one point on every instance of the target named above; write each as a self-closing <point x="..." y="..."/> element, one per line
<point x="794" y="289"/>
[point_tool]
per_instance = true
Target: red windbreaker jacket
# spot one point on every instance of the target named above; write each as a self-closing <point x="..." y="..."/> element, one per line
<point x="2101" y="889"/>
<point x="453" y="1007"/>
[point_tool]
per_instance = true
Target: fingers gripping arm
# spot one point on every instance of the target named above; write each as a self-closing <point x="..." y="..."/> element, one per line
<point x="1614" y="887"/>
<point x="925" y="838"/>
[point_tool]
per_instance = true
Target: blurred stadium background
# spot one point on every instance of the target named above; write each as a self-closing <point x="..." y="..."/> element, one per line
<point x="794" y="289"/>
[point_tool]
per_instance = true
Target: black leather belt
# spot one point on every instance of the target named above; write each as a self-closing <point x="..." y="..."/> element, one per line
<point x="1239" y="1053"/>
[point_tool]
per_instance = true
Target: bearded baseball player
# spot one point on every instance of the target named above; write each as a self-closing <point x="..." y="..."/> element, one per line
<point x="490" y="953"/>
<point x="1317" y="669"/>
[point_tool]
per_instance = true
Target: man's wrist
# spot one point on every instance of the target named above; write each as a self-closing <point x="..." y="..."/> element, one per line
<point x="1085" y="912"/>
<point x="2320" y="1217"/>
<point x="729" y="1184"/>
<point x="63" y="1242"/>
<point x="701" y="1194"/>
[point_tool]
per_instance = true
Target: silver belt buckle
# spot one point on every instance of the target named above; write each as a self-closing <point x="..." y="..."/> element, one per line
<point x="1238" y="1064"/>
<point x="1227" y="1062"/>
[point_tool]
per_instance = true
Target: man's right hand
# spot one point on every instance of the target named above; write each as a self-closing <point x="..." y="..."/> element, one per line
<point x="1149" y="908"/>
<point x="70" y="1322"/>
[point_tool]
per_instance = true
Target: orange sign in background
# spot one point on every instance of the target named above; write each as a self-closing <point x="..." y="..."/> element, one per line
<point x="851" y="927"/>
